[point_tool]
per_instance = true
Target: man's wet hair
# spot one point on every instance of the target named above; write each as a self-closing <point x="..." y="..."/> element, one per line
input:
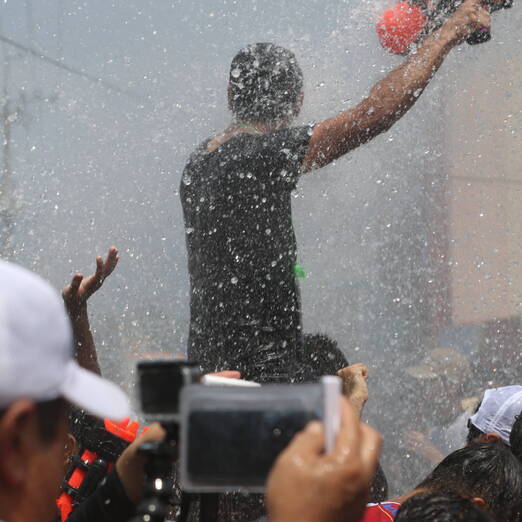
<point x="440" y="507"/>
<point x="48" y="416"/>
<point x="322" y="356"/>
<point x="265" y="83"/>
<point x="515" y="438"/>
<point x="488" y="471"/>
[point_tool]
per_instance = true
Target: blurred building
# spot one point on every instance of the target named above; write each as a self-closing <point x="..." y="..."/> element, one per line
<point x="477" y="234"/>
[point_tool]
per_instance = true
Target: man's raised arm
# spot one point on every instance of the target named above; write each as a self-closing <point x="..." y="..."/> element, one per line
<point x="75" y="297"/>
<point x="391" y="98"/>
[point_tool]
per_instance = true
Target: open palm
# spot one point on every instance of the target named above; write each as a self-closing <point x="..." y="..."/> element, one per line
<point x="78" y="292"/>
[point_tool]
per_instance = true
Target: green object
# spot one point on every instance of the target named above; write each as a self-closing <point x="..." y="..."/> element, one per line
<point x="299" y="271"/>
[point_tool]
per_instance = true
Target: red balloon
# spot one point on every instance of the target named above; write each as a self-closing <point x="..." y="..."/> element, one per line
<point x="400" y="27"/>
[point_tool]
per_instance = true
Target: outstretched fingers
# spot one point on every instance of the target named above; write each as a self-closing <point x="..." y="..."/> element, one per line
<point x="75" y="283"/>
<point x="111" y="261"/>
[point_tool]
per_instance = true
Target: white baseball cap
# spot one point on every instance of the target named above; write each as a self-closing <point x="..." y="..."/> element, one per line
<point x="498" y="411"/>
<point x="36" y="350"/>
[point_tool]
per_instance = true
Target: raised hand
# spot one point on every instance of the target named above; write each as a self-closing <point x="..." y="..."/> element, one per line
<point x="355" y="386"/>
<point x="468" y="18"/>
<point x="78" y="292"/>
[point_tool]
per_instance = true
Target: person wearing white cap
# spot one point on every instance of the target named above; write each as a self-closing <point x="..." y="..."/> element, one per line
<point x="496" y="415"/>
<point x="38" y="378"/>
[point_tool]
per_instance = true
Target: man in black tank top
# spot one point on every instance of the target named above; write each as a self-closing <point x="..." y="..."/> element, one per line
<point x="236" y="197"/>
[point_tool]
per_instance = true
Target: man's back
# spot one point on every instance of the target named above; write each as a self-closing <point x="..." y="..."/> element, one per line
<point x="242" y="250"/>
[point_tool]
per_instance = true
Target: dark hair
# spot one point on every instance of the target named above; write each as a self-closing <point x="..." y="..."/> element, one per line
<point x="379" y="485"/>
<point x="322" y="356"/>
<point x="515" y="438"/>
<point x="265" y="83"/>
<point x="474" y="433"/>
<point x="488" y="471"/>
<point x="438" y="507"/>
<point x="48" y="416"/>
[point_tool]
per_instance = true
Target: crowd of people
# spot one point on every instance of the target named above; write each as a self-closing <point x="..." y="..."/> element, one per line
<point x="43" y="389"/>
<point x="246" y="322"/>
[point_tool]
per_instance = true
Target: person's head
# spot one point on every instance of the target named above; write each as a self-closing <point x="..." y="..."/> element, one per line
<point x="266" y="85"/>
<point x="322" y="356"/>
<point x="515" y="437"/>
<point x="495" y="415"/>
<point x="38" y="379"/>
<point x="440" y="507"/>
<point x="32" y="438"/>
<point x="489" y="474"/>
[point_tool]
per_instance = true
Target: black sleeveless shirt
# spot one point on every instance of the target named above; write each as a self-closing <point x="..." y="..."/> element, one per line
<point x="245" y="306"/>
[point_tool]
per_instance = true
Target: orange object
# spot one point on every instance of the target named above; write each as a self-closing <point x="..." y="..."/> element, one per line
<point x="112" y="438"/>
<point x="400" y="26"/>
<point x="65" y="501"/>
<point x="125" y="429"/>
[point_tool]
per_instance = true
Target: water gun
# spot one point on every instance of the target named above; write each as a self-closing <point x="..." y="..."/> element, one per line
<point x="407" y="23"/>
<point x="102" y="442"/>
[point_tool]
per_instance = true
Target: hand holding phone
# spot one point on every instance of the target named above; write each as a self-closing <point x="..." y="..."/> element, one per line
<point x="309" y="485"/>
<point x="231" y="436"/>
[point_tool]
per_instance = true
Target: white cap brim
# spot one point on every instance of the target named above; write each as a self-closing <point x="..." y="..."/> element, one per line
<point x="90" y="392"/>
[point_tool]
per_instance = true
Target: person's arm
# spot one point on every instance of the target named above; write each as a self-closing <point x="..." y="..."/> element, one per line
<point x="75" y="297"/>
<point x="393" y="96"/>
<point x="308" y="485"/>
<point x="108" y="503"/>
<point x="117" y="496"/>
<point x="418" y="443"/>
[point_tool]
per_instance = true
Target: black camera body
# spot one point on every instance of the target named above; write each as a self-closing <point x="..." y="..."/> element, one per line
<point x="225" y="435"/>
<point x="159" y="387"/>
<point x="160" y="383"/>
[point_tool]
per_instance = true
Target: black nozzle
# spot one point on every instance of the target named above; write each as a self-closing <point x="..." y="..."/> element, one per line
<point x="480" y="36"/>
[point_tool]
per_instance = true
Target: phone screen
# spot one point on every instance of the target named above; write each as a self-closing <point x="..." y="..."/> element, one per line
<point x="239" y="447"/>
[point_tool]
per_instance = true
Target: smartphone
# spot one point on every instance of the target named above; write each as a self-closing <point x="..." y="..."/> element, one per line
<point x="230" y="437"/>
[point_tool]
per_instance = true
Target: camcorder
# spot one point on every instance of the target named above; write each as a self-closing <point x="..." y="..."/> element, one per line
<point x="224" y="434"/>
<point x="408" y="23"/>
